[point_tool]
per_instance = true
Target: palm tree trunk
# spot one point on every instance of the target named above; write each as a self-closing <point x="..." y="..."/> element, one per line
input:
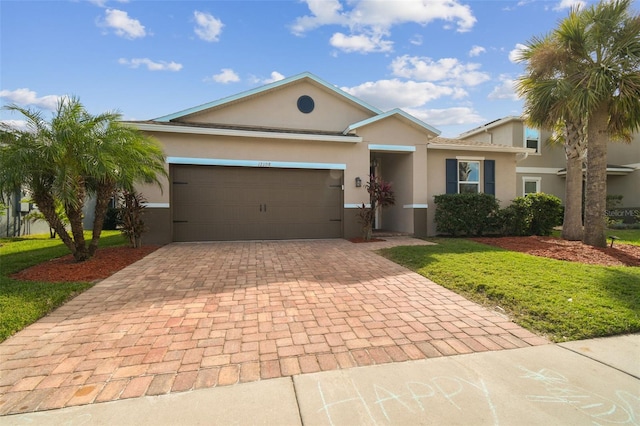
<point x="572" y="223"/>
<point x="75" y="220"/>
<point x="103" y="196"/>
<point x="596" y="188"/>
<point x="75" y="216"/>
<point x="46" y="205"/>
<point x="575" y="150"/>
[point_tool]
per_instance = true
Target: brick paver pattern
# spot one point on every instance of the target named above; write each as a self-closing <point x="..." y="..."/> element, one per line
<point x="198" y="315"/>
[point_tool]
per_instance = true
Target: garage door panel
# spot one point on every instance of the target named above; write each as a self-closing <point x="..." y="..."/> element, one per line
<point x="236" y="203"/>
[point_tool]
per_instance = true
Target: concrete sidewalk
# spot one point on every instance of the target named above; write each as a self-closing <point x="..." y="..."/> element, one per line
<point x="585" y="382"/>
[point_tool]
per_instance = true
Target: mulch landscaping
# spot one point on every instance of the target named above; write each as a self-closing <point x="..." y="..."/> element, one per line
<point x="573" y="251"/>
<point x="108" y="261"/>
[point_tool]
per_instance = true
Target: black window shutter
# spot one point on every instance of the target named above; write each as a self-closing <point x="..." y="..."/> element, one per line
<point x="490" y="177"/>
<point x="452" y="176"/>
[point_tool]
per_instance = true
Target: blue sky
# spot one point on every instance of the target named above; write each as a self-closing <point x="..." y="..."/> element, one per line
<point x="447" y="62"/>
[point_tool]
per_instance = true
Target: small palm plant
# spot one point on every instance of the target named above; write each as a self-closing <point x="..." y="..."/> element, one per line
<point x="380" y="196"/>
<point x="130" y="215"/>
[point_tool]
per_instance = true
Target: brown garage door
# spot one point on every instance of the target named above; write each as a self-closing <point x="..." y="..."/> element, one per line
<point x="214" y="203"/>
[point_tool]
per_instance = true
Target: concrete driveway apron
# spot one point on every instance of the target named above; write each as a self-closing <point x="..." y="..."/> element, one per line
<point x="199" y="315"/>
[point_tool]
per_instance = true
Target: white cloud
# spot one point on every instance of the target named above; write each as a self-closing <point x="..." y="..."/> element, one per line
<point x="151" y="65"/>
<point x="208" y="27"/>
<point x="275" y="76"/>
<point x="506" y="89"/>
<point x="477" y="51"/>
<point x="123" y="25"/>
<point x="20" y="125"/>
<point x="103" y="3"/>
<point x="568" y="4"/>
<point x="416" y="40"/>
<point x="388" y="94"/>
<point x="446" y="70"/>
<point x="361" y="43"/>
<point x="516" y="54"/>
<point x="383" y="14"/>
<point x="370" y="21"/>
<point x="226" y="76"/>
<point x="26" y="97"/>
<point x="447" y="116"/>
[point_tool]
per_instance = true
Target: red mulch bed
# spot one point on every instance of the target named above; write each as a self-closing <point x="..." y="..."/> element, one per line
<point x="106" y="262"/>
<point x="574" y="251"/>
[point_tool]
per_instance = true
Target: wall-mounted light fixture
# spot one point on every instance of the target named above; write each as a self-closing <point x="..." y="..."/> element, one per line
<point x="358" y="182"/>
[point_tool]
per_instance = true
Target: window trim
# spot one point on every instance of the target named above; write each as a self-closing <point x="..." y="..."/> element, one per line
<point x="467" y="182"/>
<point x="487" y="175"/>
<point x="526" y="139"/>
<point x="528" y="179"/>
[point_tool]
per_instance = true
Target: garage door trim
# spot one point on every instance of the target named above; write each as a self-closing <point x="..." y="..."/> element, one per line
<point x="254" y="163"/>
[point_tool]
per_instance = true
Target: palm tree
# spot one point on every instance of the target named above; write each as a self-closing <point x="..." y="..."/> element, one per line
<point x="547" y="93"/>
<point x="75" y="155"/>
<point x="604" y="46"/>
<point x="595" y="81"/>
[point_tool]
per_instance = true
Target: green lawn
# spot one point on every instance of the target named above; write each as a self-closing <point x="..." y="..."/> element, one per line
<point x="628" y="236"/>
<point x="561" y="300"/>
<point x="23" y="302"/>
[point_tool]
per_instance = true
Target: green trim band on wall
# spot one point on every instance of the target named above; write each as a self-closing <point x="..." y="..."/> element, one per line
<point x="392" y="148"/>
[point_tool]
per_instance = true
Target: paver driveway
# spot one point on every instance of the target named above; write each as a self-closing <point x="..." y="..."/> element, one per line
<point x="196" y="315"/>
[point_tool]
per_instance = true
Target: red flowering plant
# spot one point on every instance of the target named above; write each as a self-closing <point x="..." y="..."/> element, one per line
<point x="380" y="196"/>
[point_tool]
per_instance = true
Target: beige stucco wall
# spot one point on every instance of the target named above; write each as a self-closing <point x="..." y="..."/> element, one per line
<point x="278" y="109"/>
<point x="436" y="164"/>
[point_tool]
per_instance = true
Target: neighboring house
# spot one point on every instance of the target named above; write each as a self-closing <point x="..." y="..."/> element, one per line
<point x="544" y="170"/>
<point x="14" y="209"/>
<point x="291" y="160"/>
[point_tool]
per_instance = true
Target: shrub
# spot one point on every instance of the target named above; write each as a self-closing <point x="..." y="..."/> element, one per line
<point x="533" y="214"/>
<point x="470" y="214"/>
<point x="515" y="219"/>
<point x="546" y="212"/>
<point x="380" y="196"/>
<point x="132" y="225"/>
<point x="111" y="220"/>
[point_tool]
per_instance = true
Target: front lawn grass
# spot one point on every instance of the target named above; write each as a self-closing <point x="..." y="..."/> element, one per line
<point x="558" y="299"/>
<point x="627" y="236"/>
<point x="24" y="302"/>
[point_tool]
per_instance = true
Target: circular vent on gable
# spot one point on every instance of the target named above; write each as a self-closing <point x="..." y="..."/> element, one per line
<point x="306" y="104"/>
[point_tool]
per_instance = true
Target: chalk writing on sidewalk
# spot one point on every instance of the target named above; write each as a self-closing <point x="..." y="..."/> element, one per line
<point x="381" y="403"/>
<point x="559" y="390"/>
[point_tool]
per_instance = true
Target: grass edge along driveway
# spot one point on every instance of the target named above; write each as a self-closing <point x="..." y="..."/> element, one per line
<point x="24" y="302"/>
<point x="558" y="299"/>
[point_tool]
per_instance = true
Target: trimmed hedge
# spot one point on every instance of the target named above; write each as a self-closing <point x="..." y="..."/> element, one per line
<point x="468" y="214"/>
<point x="477" y="214"/>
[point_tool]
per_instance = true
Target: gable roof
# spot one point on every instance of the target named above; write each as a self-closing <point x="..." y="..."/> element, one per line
<point x="397" y="113"/>
<point x="266" y="88"/>
<point x="490" y="125"/>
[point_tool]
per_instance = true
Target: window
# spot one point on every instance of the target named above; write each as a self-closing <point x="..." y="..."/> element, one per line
<point x="532" y="138"/>
<point x="530" y="185"/>
<point x="468" y="177"/>
<point x="463" y="175"/>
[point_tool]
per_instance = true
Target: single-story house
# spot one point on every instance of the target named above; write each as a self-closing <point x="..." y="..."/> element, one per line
<point x="291" y="160"/>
